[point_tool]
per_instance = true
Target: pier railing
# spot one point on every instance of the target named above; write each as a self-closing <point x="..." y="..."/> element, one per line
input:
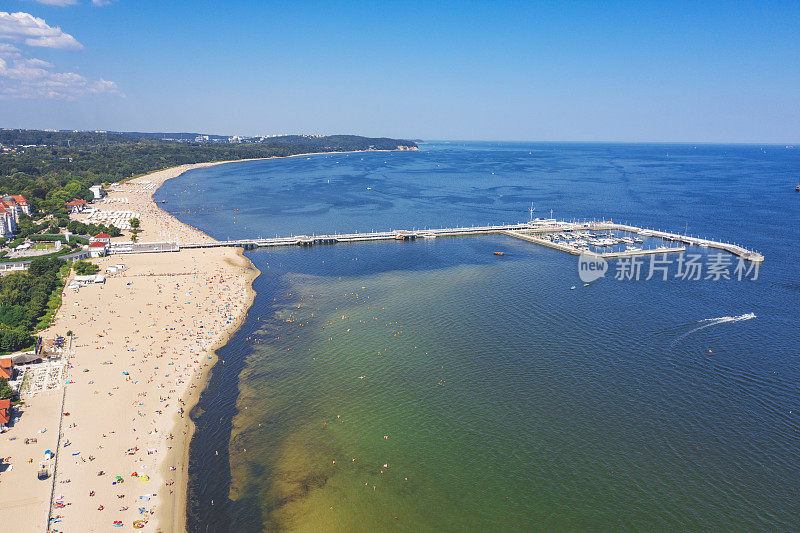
<point x="527" y="231"/>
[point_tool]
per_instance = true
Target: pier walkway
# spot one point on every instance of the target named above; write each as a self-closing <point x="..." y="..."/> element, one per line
<point x="533" y="231"/>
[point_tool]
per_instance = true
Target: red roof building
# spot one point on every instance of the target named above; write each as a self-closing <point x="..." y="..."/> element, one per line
<point x="98" y="248"/>
<point x="103" y="238"/>
<point x="76" y="205"/>
<point x="11" y="207"/>
<point x="5" y="412"/>
<point x="16" y="203"/>
<point x="6" y="368"/>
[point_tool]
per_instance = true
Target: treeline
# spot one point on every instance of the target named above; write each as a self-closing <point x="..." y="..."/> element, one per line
<point x="17" y="137"/>
<point x="81" y="228"/>
<point x="26" y="298"/>
<point x="27" y="229"/>
<point x="49" y="176"/>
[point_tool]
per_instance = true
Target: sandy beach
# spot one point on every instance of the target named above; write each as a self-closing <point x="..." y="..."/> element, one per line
<point x="143" y="343"/>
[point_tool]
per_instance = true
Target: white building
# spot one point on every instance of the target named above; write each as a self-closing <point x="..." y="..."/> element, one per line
<point x="82" y="281"/>
<point x="8" y="224"/>
<point x="97" y="191"/>
<point x="98" y="249"/>
<point x="11" y="207"/>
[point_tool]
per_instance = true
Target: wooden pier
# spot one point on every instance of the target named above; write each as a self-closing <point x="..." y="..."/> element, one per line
<point x="529" y="231"/>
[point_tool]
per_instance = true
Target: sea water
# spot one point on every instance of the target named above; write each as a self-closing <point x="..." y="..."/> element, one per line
<point x="434" y="386"/>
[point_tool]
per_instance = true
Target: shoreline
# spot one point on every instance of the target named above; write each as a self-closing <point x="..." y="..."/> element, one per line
<point x="172" y="516"/>
<point x="173" y="511"/>
<point x="170" y="503"/>
<point x="144" y="344"/>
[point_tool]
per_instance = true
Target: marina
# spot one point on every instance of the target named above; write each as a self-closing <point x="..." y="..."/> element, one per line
<point x="575" y="238"/>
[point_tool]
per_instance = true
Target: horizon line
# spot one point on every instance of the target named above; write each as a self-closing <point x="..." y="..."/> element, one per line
<point x="423" y="140"/>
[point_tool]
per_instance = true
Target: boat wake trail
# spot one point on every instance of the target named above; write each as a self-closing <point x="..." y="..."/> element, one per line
<point x="722" y="319"/>
<point x="708" y="322"/>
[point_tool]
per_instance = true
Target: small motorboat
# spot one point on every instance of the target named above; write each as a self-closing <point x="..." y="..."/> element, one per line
<point x="499" y="253"/>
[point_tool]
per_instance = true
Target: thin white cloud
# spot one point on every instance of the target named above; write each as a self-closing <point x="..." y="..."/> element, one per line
<point x="60" y="3"/>
<point x="34" y="31"/>
<point x="9" y="51"/>
<point x="35" y="78"/>
<point x="101" y="3"/>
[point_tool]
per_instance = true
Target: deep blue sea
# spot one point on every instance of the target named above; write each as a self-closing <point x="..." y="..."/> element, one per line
<point x="434" y="386"/>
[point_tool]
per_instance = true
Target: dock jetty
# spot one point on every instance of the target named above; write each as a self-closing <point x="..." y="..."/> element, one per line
<point x="538" y="231"/>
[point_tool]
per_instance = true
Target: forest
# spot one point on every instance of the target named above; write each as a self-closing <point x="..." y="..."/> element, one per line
<point x="27" y="300"/>
<point x="52" y="168"/>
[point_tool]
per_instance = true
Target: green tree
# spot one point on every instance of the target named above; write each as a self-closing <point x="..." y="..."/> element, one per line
<point x="135" y="223"/>
<point x="41" y="266"/>
<point x="85" y="268"/>
<point x="6" y="392"/>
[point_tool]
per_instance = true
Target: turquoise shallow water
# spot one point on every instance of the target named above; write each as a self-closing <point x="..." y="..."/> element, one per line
<point x="510" y="402"/>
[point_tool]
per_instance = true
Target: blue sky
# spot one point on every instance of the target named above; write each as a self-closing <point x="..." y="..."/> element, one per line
<point x="595" y="71"/>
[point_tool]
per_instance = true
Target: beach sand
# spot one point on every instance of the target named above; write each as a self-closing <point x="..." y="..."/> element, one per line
<point x="143" y="344"/>
<point x="136" y="195"/>
<point x="24" y="499"/>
